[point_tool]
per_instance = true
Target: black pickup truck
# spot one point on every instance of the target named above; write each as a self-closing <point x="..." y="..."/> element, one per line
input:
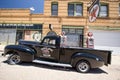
<point x="49" y="51"/>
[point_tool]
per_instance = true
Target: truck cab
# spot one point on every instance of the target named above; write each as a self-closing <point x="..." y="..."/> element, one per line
<point x="49" y="48"/>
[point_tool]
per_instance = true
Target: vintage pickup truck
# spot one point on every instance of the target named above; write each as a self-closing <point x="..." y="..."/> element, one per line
<point x="49" y="51"/>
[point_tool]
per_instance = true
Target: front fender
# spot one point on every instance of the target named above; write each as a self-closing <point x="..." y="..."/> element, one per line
<point x="26" y="53"/>
<point x="19" y="48"/>
<point x="91" y="58"/>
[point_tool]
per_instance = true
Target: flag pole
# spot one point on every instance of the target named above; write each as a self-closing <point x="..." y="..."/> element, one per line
<point x="86" y="24"/>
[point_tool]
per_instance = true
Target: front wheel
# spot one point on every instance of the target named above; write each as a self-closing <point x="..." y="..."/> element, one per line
<point x="14" y="59"/>
<point x="83" y="66"/>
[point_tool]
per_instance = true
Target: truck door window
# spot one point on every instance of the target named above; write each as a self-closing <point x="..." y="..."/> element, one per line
<point x="50" y="42"/>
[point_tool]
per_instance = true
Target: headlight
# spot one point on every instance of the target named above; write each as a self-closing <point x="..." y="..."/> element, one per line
<point x="97" y="59"/>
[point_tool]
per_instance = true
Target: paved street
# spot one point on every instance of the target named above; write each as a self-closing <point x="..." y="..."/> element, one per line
<point x="33" y="71"/>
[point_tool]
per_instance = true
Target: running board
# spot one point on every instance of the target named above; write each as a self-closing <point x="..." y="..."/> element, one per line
<point x="52" y="63"/>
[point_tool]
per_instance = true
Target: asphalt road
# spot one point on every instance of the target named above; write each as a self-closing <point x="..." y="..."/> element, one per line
<point x="33" y="71"/>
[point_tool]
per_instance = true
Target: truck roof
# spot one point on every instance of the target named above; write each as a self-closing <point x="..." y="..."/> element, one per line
<point x="52" y="36"/>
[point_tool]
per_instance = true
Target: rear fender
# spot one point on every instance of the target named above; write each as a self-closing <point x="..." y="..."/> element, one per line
<point x="91" y="58"/>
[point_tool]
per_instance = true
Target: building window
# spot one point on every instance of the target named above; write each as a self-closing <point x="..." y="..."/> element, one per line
<point x="103" y="10"/>
<point x="75" y="9"/>
<point x="54" y="9"/>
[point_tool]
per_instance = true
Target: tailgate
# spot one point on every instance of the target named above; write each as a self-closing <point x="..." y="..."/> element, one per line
<point x="106" y="56"/>
<point x="109" y="58"/>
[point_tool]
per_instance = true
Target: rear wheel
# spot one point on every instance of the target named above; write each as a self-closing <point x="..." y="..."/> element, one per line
<point x="14" y="59"/>
<point x="83" y="66"/>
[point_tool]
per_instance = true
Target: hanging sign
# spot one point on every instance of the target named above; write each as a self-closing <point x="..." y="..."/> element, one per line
<point x="94" y="10"/>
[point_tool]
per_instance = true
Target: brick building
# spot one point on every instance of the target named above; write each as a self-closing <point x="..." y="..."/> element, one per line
<point x="63" y="15"/>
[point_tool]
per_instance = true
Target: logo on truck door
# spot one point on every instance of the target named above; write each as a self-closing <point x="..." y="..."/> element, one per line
<point x="46" y="51"/>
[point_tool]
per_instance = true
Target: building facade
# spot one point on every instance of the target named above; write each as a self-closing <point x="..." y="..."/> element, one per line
<point x="70" y="16"/>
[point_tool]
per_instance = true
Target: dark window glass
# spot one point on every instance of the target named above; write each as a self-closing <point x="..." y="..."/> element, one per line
<point x="71" y="10"/>
<point x="54" y="11"/>
<point x="75" y="9"/>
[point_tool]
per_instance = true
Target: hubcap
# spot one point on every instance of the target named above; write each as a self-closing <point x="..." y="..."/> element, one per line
<point x="15" y="59"/>
<point x="83" y="67"/>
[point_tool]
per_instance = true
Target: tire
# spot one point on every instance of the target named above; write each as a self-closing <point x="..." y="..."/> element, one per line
<point x="83" y="66"/>
<point x="14" y="59"/>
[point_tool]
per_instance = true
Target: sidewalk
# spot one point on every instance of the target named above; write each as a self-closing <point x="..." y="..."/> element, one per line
<point x="2" y="48"/>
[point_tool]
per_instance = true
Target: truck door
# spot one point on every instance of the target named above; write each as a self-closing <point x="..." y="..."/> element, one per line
<point x="48" y="49"/>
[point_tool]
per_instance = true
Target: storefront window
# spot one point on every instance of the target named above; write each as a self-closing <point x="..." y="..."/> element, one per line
<point x="23" y="31"/>
<point x="75" y="9"/>
<point x="66" y="30"/>
<point x="74" y="35"/>
<point x="21" y="26"/>
<point x="79" y="31"/>
<point x="72" y="30"/>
